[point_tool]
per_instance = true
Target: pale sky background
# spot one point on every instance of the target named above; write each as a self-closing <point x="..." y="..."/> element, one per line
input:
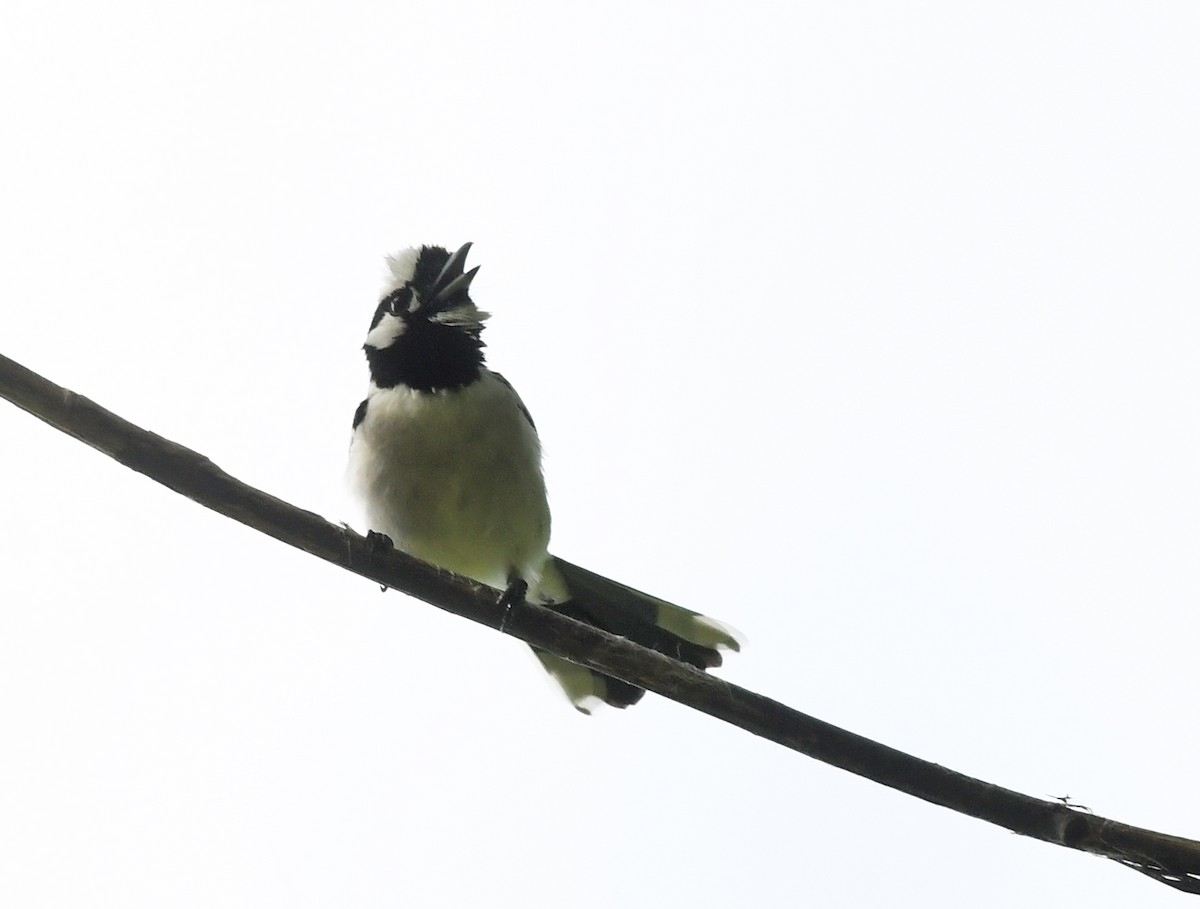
<point x="869" y="328"/>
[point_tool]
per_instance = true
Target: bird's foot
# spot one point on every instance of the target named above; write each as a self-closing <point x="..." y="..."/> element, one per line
<point x="513" y="594"/>
<point x="379" y="543"/>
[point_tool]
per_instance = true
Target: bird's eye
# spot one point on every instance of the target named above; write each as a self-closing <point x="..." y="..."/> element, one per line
<point x="400" y="301"/>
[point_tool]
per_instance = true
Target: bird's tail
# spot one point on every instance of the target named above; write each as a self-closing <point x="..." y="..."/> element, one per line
<point x="647" y="620"/>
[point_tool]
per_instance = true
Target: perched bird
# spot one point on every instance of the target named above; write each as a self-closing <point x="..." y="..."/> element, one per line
<point x="447" y="460"/>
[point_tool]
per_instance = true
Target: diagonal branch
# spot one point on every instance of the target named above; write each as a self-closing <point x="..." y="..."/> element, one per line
<point x="1169" y="859"/>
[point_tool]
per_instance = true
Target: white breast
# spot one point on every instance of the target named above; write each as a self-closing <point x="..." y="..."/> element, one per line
<point x="455" y="478"/>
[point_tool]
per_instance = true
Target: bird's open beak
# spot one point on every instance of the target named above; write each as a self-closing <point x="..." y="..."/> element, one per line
<point x="451" y="279"/>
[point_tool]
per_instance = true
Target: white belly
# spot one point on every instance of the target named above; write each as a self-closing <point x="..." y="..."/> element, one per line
<point x="455" y="478"/>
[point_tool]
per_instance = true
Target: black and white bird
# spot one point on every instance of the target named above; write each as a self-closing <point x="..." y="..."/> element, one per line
<point x="447" y="461"/>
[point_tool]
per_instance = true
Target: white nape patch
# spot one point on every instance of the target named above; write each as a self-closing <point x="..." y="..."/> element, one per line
<point x="401" y="267"/>
<point x="384" y="334"/>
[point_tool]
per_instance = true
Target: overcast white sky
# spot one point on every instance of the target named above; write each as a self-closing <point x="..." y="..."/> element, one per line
<point x="870" y="328"/>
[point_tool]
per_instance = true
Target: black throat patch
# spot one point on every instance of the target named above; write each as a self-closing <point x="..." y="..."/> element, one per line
<point x="428" y="357"/>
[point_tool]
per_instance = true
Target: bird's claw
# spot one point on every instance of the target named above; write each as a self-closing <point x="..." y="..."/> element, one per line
<point x="513" y="594"/>
<point x="379" y="543"/>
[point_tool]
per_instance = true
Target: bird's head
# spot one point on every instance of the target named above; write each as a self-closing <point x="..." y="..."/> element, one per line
<point x="426" y="330"/>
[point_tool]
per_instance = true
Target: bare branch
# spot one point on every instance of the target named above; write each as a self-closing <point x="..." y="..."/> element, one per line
<point x="1169" y="859"/>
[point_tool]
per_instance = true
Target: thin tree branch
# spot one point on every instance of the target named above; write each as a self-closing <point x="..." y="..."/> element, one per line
<point x="1169" y="859"/>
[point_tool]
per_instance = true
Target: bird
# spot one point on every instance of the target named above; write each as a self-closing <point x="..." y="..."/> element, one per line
<point x="447" y="462"/>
